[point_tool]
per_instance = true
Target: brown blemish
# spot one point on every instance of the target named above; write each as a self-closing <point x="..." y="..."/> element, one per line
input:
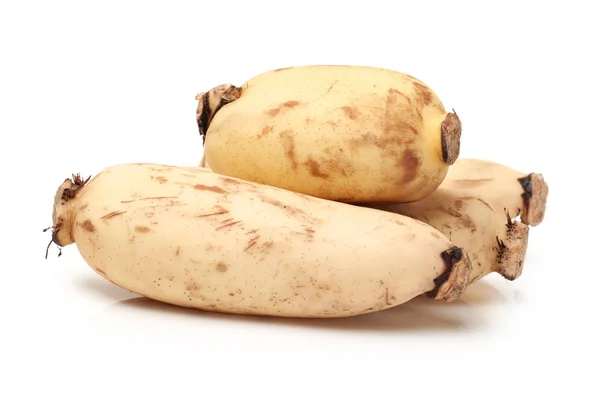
<point x="100" y="271"/>
<point x="210" y="248"/>
<point x="252" y="242"/>
<point x="290" y="147"/>
<point x="231" y="294"/>
<point x="213" y="188"/>
<point x="315" y="169"/>
<point x="290" y="210"/>
<point x="177" y="251"/>
<point x="149" y="198"/>
<point x="485" y="203"/>
<point x="83" y="206"/>
<point x="142" y="229"/>
<point x="221" y="267"/>
<point x="272" y="112"/>
<point x="435" y="235"/>
<point x="220" y="210"/>
<point x="290" y="104"/>
<point x="466" y="198"/>
<point x="397" y="93"/>
<point x="308" y="233"/>
<point x="410" y="163"/>
<point x="458" y="204"/>
<point x="88" y="226"/>
<point x="228" y="223"/>
<point x="331" y="86"/>
<point x="423" y="93"/>
<point x="387" y="297"/>
<point x="161" y="179"/>
<point x="265" y="131"/>
<point x="394" y="123"/>
<point x="192" y="286"/>
<point x="452" y="213"/>
<point x="232" y="181"/>
<point x="161" y="169"/>
<point x="112" y="214"/>
<point x="466" y="222"/>
<point x="273" y="202"/>
<point x="351" y="112"/>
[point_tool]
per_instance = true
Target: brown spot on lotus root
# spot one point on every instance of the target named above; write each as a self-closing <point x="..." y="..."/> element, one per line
<point x="290" y="104"/>
<point x="222" y="267"/>
<point x="142" y="229"/>
<point x="287" y="140"/>
<point x="315" y="169"/>
<point x="100" y="271"/>
<point x="160" y="179"/>
<point x="458" y="204"/>
<point x="466" y="222"/>
<point x="177" y="251"/>
<point x="82" y="207"/>
<point x="228" y="181"/>
<point x="410" y="163"/>
<point x="395" y="123"/>
<point x="252" y="242"/>
<point x="265" y="131"/>
<point x="112" y="214"/>
<point x="423" y="93"/>
<point x="351" y="112"/>
<point x="216" y="189"/>
<point x="434" y="234"/>
<point x="88" y="226"/>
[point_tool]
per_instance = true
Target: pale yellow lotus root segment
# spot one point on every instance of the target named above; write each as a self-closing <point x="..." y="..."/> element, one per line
<point x="344" y="133"/>
<point x="494" y="241"/>
<point x="523" y="195"/>
<point x="193" y="238"/>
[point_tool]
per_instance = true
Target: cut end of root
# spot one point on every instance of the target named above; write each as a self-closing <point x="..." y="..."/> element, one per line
<point x="451" y="133"/>
<point x="209" y="103"/>
<point x="61" y="231"/>
<point x="453" y="282"/>
<point x="512" y="250"/>
<point x="535" y="193"/>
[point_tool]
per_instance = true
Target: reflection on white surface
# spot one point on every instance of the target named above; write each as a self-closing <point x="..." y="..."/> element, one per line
<point x="420" y="315"/>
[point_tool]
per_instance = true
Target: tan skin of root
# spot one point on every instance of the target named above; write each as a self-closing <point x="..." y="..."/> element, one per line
<point x="522" y="194"/>
<point x="344" y="133"/>
<point x="494" y="241"/>
<point x="193" y="238"/>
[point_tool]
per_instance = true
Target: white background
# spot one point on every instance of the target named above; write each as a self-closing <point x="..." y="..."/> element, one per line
<point x="85" y="85"/>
